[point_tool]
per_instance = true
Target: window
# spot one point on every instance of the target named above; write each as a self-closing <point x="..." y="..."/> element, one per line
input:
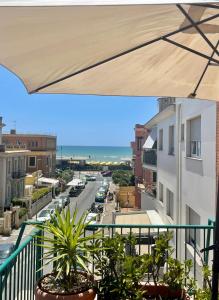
<point x="160" y="191"/>
<point x="182" y="132"/>
<point x="195" y="137"/>
<point x="161" y="139"/>
<point x="32" y="161"/>
<point x="171" y="140"/>
<point x="192" y="235"/>
<point x="170" y="203"/>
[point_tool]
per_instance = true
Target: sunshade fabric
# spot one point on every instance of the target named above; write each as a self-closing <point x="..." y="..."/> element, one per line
<point x="151" y="139"/>
<point x="44" y="43"/>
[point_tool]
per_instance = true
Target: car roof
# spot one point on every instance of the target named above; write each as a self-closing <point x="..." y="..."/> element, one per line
<point x="6" y="246"/>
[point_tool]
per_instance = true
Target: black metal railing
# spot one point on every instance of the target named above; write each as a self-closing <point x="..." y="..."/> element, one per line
<point x="150" y="157"/>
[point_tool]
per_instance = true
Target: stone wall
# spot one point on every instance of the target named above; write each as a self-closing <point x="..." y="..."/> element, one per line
<point x="39" y="204"/>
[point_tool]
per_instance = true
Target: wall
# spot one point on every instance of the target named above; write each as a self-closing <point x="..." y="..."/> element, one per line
<point x="166" y="168"/>
<point x="199" y="175"/>
<point x="39" y="204"/>
<point x="126" y="195"/>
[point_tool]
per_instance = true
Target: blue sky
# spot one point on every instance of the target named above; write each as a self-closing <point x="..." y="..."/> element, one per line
<point x="76" y="120"/>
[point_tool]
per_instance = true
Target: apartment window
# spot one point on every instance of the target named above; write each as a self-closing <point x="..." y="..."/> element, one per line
<point x="192" y="235"/>
<point x="160" y="191"/>
<point x="32" y="161"/>
<point x="195" y="137"/>
<point x="170" y="203"/>
<point x="182" y="133"/>
<point x="161" y="139"/>
<point x="171" y="140"/>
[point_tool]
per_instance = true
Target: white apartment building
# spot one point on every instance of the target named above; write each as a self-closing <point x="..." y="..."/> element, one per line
<point x="184" y="135"/>
<point x="12" y="172"/>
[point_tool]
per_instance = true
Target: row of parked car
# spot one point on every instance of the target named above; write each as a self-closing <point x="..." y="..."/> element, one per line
<point x="57" y="204"/>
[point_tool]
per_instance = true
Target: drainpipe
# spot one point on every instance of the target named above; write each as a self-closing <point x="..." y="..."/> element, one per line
<point x="179" y="173"/>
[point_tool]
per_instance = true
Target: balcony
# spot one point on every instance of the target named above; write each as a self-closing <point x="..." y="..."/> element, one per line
<point x="18" y="174"/>
<point x="20" y="272"/>
<point x="11" y="147"/>
<point x="150" y="157"/>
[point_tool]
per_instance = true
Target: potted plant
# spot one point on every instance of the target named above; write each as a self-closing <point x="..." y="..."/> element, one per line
<point x="68" y="250"/>
<point x="126" y="275"/>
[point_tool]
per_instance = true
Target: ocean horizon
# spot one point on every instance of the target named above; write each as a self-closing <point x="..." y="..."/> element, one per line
<point x="96" y="153"/>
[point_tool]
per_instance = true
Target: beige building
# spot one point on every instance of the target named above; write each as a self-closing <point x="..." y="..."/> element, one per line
<point x="12" y="172"/>
<point x="42" y="155"/>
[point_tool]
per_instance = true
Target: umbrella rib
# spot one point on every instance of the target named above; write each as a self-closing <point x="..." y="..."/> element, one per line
<point x="204" y="71"/>
<point x="196" y="27"/>
<point x="122" y="54"/>
<point x="191" y="50"/>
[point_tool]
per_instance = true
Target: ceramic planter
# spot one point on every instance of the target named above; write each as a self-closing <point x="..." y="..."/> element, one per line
<point x="46" y="295"/>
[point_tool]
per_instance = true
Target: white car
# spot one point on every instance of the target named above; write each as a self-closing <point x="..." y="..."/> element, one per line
<point x="91" y="218"/>
<point x="45" y="215"/>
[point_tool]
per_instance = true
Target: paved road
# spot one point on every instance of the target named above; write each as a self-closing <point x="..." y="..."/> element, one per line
<point x="86" y="198"/>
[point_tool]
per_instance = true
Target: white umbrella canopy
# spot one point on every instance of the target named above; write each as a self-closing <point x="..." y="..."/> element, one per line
<point x="130" y="48"/>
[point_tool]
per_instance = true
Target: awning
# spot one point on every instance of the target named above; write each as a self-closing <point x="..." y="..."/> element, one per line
<point x="112" y="47"/>
<point x="151" y="139"/>
<point x="50" y="181"/>
<point x="75" y="182"/>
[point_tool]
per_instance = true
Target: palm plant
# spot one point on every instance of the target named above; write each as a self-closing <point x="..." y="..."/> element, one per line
<point x="68" y="249"/>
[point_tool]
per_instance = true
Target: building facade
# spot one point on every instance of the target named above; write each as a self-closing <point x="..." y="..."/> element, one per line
<point x="42" y="155"/>
<point x="13" y="172"/>
<point x="141" y="134"/>
<point x="186" y="162"/>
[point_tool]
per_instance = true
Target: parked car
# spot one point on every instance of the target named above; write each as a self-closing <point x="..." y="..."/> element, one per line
<point x="54" y="206"/>
<point x="59" y="202"/>
<point x="106" y="173"/>
<point x="103" y="190"/>
<point x="91" y="218"/>
<point x="74" y="192"/>
<point x="90" y="177"/>
<point x="65" y="199"/>
<point x="45" y="215"/>
<point x="5" y="251"/>
<point x="100" y="197"/>
<point x="80" y="185"/>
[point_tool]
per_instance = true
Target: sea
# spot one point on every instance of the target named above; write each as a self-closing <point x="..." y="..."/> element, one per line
<point x="96" y="153"/>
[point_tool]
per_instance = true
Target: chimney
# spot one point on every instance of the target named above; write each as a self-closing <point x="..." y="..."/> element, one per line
<point x="13" y="131"/>
<point x="2" y="147"/>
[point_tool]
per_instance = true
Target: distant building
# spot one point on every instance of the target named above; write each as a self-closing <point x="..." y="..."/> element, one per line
<point x="42" y="147"/>
<point x="182" y="149"/>
<point x="12" y="172"/>
<point x="141" y="134"/>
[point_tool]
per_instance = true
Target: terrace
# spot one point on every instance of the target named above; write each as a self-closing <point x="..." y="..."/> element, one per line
<point x="20" y="272"/>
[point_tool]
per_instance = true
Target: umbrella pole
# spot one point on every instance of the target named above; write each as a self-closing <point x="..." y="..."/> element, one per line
<point x="215" y="267"/>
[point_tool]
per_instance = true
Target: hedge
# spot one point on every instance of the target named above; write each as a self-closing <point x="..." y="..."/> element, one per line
<point x="22" y="212"/>
<point x="17" y="202"/>
<point x="40" y="193"/>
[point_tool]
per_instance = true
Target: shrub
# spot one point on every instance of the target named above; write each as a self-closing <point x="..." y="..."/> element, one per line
<point x="40" y="193"/>
<point x="22" y="212"/>
<point x="17" y="202"/>
<point x="123" y="178"/>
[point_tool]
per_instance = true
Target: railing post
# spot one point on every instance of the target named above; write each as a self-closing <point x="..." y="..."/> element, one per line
<point x="39" y="255"/>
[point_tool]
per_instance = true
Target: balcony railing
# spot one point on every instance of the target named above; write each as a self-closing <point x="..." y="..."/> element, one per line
<point x="15" y="147"/>
<point x="150" y="157"/>
<point x="20" y="272"/>
<point x="18" y="174"/>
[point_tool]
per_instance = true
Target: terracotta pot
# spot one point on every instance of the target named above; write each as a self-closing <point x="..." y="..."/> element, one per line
<point x="164" y="291"/>
<point x="44" y="295"/>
